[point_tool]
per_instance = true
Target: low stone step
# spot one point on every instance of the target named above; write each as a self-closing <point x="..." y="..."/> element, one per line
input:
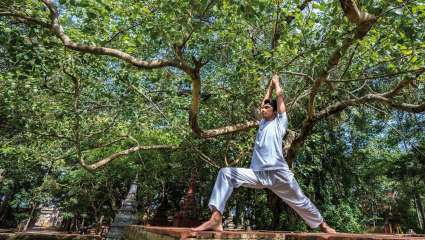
<point x="139" y="232"/>
<point x="46" y="236"/>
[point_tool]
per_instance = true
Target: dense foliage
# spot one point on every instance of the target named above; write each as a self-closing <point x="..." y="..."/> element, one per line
<point x="63" y="108"/>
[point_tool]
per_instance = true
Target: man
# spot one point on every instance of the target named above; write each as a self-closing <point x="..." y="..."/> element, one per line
<point x="268" y="169"/>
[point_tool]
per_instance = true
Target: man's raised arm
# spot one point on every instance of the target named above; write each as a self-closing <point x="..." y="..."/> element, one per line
<point x="268" y="94"/>
<point x="279" y="94"/>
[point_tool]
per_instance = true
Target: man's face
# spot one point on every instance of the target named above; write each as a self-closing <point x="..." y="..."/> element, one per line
<point x="267" y="111"/>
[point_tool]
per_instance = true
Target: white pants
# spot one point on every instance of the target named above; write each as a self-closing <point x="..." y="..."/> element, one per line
<point x="281" y="182"/>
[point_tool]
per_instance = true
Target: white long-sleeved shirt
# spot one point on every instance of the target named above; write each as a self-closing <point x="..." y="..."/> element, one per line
<point x="267" y="154"/>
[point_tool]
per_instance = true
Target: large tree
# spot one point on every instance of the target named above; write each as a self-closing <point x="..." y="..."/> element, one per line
<point x="332" y="56"/>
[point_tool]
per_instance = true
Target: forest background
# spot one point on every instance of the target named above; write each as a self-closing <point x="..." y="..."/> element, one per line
<point x="93" y="93"/>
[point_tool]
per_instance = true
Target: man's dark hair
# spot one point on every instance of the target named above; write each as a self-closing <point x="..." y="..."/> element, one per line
<point x="272" y="102"/>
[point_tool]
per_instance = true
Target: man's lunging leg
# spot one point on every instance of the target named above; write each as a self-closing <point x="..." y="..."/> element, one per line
<point x="290" y="192"/>
<point x="227" y="180"/>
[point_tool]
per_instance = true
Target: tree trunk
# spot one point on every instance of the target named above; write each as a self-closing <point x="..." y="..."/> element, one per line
<point x="419" y="210"/>
<point x="71" y="224"/>
<point x="4" y="207"/>
<point x="99" y="224"/>
<point x="27" y="224"/>
<point x="96" y="213"/>
<point x="238" y="214"/>
<point x="66" y="225"/>
<point x="77" y="228"/>
<point x="276" y="206"/>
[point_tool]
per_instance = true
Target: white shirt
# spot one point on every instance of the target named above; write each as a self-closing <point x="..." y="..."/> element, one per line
<point x="267" y="154"/>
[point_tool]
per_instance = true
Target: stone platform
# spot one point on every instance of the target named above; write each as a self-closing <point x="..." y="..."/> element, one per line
<point x="138" y="232"/>
<point x="46" y="236"/>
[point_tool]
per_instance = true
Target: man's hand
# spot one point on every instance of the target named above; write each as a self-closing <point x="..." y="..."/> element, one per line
<point x="279" y="93"/>
<point x="276" y="84"/>
<point x="275" y="80"/>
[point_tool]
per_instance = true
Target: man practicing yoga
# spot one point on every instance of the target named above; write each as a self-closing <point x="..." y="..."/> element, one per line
<point x="268" y="169"/>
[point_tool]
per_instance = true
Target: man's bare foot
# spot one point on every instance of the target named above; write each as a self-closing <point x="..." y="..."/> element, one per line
<point x="325" y="228"/>
<point x="211" y="225"/>
<point x="214" y="224"/>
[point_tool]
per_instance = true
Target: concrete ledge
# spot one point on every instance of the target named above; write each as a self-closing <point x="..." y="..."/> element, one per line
<point x="46" y="236"/>
<point x="138" y="232"/>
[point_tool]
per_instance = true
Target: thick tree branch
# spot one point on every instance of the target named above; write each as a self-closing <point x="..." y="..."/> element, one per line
<point x="370" y="98"/>
<point x="388" y="75"/>
<point x="287" y="143"/>
<point x="239" y="126"/>
<point x="397" y="89"/>
<point x="299" y="139"/>
<point x="276" y="31"/>
<point x="228" y="129"/>
<point x="202" y="155"/>
<point x="194" y="73"/>
<point x="384" y="98"/>
<point x="57" y="29"/>
<point x="25" y="19"/>
<point x="300" y="74"/>
<point x="105" y="161"/>
<point x="77" y="135"/>
<point x="196" y="89"/>
<point x="179" y="48"/>
<point x="364" y="22"/>
<point x="406" y="107"/>
<point x="196" y="99"/>
<point x="324" y="74"/>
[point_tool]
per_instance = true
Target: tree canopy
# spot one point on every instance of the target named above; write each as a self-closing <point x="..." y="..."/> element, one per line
<point x="93" y="92"/>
